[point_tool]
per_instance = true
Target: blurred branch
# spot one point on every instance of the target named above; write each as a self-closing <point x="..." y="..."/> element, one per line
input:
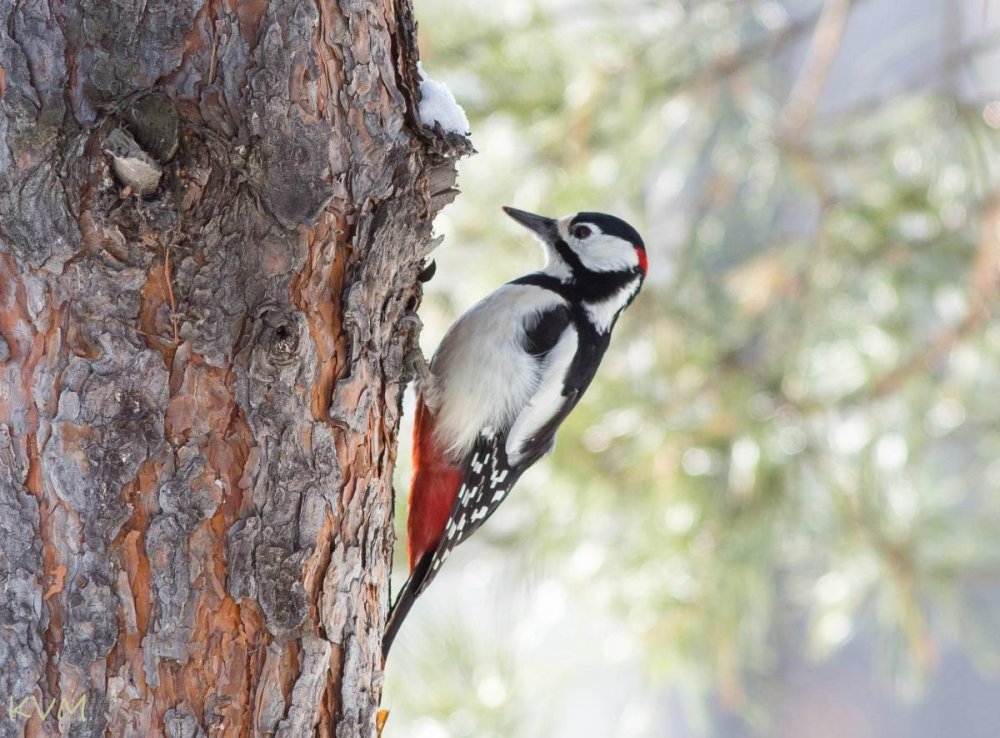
<point x="897" y="557"/>
<point x="725" y="66"/>
<point x="924" y="77"/>
<point x="981" y="293"/>
<point x="795" y="117"/>
<point x="808" y="88"/>
<point x="728" y="65"/>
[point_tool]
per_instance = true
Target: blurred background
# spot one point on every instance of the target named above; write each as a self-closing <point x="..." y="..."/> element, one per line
<point x="776" y="511"/>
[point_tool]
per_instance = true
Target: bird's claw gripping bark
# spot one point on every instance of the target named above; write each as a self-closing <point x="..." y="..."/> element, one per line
<point x="415" y="366"/>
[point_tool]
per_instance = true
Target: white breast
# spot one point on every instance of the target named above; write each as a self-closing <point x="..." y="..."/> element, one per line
<point x="483" y="377"/>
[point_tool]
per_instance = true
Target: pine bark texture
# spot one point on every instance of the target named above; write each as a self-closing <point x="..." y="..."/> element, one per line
<point x="200" y="389"/>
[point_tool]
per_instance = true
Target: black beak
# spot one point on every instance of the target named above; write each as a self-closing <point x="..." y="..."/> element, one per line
<point x="546" y="228"/>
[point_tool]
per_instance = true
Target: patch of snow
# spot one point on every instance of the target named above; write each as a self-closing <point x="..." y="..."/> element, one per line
<point x="438" y="105"/>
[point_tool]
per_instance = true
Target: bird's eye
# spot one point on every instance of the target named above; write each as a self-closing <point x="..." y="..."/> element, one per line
<point x="581" y="232"/>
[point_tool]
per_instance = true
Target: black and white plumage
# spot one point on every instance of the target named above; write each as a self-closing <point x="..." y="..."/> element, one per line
<point x="505" y="376"/>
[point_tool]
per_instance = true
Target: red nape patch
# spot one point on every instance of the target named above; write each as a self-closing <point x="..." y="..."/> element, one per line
<point x="433" y="489"/>
<point x="643" y="264"/>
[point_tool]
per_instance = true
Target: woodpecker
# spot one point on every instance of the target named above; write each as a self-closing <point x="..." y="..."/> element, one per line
<point x="505" y="376"/>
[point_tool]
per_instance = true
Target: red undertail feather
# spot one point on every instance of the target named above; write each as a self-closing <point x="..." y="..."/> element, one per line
<point x="433" y="489"/>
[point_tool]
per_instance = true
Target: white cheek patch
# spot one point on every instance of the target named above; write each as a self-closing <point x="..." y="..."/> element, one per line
<point x="603" y="253"/>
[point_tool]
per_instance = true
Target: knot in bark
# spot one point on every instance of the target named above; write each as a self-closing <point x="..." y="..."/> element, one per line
<point x="275" y="364"/>
<point x="154" y="122"/>
<point x="277" y="336"/>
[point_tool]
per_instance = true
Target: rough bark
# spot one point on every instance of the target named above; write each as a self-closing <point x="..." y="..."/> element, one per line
<point x="200" y="388"/>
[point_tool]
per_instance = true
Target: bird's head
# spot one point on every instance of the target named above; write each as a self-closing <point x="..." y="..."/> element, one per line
<point x="586" y="243"/>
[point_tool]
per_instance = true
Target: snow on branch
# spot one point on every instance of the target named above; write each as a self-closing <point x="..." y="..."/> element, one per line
<point x="439" y="107"/>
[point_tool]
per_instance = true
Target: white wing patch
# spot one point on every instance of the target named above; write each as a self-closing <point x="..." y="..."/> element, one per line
<point x="548" y="397"/>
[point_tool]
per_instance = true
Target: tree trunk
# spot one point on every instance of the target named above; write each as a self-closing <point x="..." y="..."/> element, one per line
<point x="200" y="387"/>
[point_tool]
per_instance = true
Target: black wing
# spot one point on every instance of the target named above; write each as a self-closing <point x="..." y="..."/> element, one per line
<point x="488" y="478"/>
<point x="489" y="475"/>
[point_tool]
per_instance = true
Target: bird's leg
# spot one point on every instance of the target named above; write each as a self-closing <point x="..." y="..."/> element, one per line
<point x="415" y="366"/>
